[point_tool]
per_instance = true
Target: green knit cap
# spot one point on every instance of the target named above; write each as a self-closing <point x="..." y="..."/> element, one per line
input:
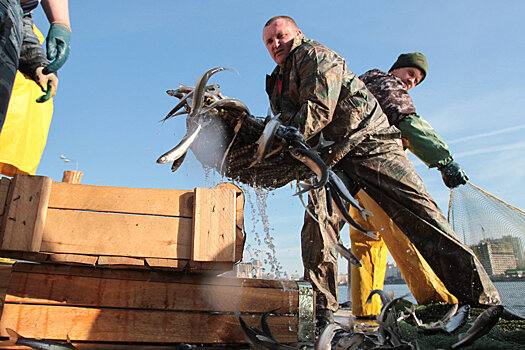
<point x="412" y="59"/>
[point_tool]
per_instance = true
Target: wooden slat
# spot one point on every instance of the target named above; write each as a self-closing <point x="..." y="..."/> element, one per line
<point x="26" y="213"/>
<point x="4" y="188"/>
<point x="74" y="232"/>
<point x="219" y="296"/>
<point x="130" y="200"/>
<point x="121" y="261"/>
<point x="240" y="237"/>
<point x="214" y="224"/>
<point x="92" y="324"/>
<point x="152" y="276"/>
<point x="73" y="259"/>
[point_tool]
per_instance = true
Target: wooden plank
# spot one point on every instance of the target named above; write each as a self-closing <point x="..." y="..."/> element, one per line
<point x="4" y="189"/>
<point x="114" y="261"/>
<point x="151" y="276"/>
<point x="166" y="202"/>
<point x="220" y="295"/>
<point x="214" y="224"/>
<point x="76" y="232"/>
<point x="240" y="237"/>
<point x="26" y="213"/>
<point x="117" y="325"/>
<point x="73" y="259"/>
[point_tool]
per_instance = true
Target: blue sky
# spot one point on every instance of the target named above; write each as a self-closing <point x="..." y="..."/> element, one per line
<point x="126" y="54"/>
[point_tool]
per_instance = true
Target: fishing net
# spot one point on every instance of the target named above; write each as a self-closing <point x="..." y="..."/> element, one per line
<point x="495" y="231"/>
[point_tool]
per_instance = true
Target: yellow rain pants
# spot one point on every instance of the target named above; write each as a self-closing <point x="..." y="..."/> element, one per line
<point x="425" y="286"/>
<point x="26" y="126"/>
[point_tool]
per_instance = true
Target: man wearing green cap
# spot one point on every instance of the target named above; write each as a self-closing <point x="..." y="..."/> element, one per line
<point x="391" y="91"/>
<point x="312" y="90"/>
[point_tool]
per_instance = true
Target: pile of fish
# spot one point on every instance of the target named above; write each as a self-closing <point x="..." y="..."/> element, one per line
<point x="336" y="336"/>
<point x="223" y="134"/>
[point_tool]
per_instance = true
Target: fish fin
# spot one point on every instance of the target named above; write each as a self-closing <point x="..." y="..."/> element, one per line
<point x="390" y="293"/>
<point x="365" y="213"/>
<point x="13" y="335"/>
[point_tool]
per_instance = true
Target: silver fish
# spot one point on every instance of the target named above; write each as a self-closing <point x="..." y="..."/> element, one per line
<point x="459" y="319"/>
<point x="200" y="87"/>
<point x="314" y="162"/>
<point x="450" y="313"/>
<point x="40" y="344"/>
<point x="181" y="149"/>
<point x="351" y="342"/>
<point x="341" y="211"/>
<point x="347" y="254"/>
<point x="178" y="162"/>
<point x="228" y="102"/>
<point x="265" y="141"/>
<point x="340" y="187"/>
<point x="324" y="342"/>
<point x="322" y="143"/>
<point x="483" y="324"/>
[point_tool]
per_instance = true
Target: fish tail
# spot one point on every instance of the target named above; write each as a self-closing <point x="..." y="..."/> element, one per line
<point x="13" y="335"/>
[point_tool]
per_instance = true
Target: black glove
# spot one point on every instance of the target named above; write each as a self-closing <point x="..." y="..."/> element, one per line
<point x="453" y="175"/>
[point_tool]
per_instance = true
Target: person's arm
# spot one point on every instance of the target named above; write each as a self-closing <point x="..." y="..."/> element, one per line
<point x="428" y="146"/>
<point x="33" y="61"/>
<point x="58" y="40"/>
<point x="320" y="73"/>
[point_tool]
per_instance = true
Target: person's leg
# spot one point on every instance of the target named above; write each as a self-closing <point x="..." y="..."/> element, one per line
<point x="384" y="172"/>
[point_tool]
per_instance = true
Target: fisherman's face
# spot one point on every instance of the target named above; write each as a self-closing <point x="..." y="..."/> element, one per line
<point x="411" y="76"/>
<point x="278" y="38"/>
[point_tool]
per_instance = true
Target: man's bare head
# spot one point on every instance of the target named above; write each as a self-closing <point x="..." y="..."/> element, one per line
<point x="278" y="34"/>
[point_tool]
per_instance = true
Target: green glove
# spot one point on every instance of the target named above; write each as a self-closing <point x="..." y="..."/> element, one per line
<point x="58" y="45"/>
<point x="453" y="175"/>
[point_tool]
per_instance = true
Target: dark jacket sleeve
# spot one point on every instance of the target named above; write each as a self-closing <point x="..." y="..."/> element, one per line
<point x="32" y="53"/>
<point x="424" y="141"/>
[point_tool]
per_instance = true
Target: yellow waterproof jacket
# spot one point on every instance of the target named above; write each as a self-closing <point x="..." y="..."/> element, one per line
<point x="26" y="126"/>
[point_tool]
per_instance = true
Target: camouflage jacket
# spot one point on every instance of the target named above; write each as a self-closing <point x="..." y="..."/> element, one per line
<point x="397" y="104"/>
<point x="32" y="54"/>
<point x="319" y="93"/>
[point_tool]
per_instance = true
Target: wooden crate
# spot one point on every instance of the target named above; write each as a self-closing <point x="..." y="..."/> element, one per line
<point x="101" y="308"/>
<point x="197" y="230"/>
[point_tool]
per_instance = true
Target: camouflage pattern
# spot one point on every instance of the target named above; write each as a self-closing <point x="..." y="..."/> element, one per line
<point x="10" y="42"/>
<point x="391" y="93"/>
<point x="21" y="49"/>
<point x="423" y="140"/>
<point x="320" y="93"/>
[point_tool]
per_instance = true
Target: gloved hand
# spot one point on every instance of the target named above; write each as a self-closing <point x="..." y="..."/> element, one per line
<point x="58" y="45"/>
<point x="453" y="175"/>
<point x="47" y="82"/>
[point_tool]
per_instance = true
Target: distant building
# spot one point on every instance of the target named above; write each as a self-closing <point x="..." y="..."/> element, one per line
<point x="517" y="247"/>
<point x="392" y="273"/>
<point x="496" y="255"/>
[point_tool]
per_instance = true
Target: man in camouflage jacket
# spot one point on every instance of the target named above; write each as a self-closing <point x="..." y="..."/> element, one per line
<point x="314" y="91"/>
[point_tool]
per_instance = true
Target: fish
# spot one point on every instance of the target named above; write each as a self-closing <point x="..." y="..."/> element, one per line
<point x="450" y="313"/>
<point x="314" y="162"/>
<point x="251" y="333"/>
<point x="412" y="312"/>
<point x="324" y="342"/>
<point x="351" y="342"/>
<point x="483" y="324"/>
<point x="178" y="162"/>
<point x="347" y="254"/>
<point x="228" y="102"/>
<point x="340" y="187"/>
<point x="322" y="143"/>
<point x="39" y="344"/>
<point x="265" y="141"/>
<point x="341" y="211"/>
<point x="459" y="319"/>
<point x="181" y="149"/>
<point x="329" y="201"/>
<point x="200" y="87"/>
<point x="264" y="325"/>
<point x="385" y="297"/>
